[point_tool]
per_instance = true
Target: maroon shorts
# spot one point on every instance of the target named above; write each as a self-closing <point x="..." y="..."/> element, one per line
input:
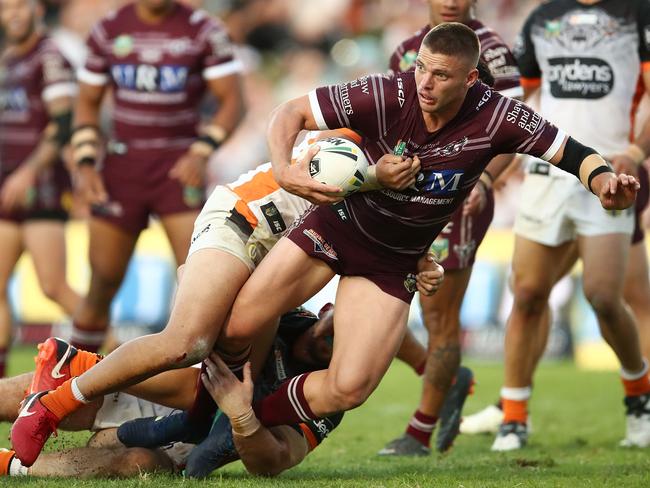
<point x="323" y="234"/>
<point x="138" y="186"/>
<point x="456" y="246"/>
<point x="641" y="203"/>
<point x="50" y="200"/>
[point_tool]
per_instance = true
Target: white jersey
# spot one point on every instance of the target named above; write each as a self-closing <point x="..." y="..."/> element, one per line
<point x="588" y="59"/>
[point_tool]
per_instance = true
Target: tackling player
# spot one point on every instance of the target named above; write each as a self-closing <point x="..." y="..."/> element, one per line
<point x="156" y="59"/>
<point x="455" y="249"/>
<point x="37" y="87"/>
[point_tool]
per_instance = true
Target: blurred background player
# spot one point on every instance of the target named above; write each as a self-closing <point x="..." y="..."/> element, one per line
<point x="159" y="58"/>
<point x="36" y="94"/>
<point x="455" y="249"/>
<point x="586" y="58"/>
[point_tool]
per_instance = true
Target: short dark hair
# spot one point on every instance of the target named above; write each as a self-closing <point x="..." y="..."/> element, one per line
<point x="453" y="39"/>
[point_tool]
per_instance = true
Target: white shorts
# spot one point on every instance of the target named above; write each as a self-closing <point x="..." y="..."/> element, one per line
<point x="220" y="226"/>
<point x="554" y="210"/>
<point x="121" y="407"/>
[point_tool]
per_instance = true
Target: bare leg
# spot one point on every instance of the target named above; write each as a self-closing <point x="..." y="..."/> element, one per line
<point x="441" y="314"/>
<point x="411" y="351"/>
<point x="86" y="462"/>
<point x="12" y="392"/>
<point x="179" y="228"/>
<point x="211" y="281"/>
<point x="603" y="286"/>
<point x="12" y="248"/>
<point x="637" y="293"/>
<point x="45" y="241"/>
<point x="535" y="270"/>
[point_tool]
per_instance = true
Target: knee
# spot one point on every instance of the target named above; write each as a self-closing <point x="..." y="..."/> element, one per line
<point x="184" y="350"/>
<point x="348" y="394"/>
<point x="529" y="299"/>
<point x="605" y="303"/>
<point x="51" y="289"/>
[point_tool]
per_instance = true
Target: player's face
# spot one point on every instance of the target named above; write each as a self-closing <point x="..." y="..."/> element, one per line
<point x="450" y="11"/>
<point x="442" y="81"/>
<point x="18" y="19"/>
<point x="313" y="348"/>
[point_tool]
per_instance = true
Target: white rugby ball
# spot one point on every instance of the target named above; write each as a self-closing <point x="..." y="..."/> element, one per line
<point x="340" y="163"/>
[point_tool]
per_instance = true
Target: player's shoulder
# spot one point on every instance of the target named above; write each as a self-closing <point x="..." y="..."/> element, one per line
<point x="200" y="20"/>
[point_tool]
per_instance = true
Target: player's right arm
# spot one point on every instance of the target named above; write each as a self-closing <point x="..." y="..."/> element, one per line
<point x="264" y="451"/>
<point x="86" y="137"/>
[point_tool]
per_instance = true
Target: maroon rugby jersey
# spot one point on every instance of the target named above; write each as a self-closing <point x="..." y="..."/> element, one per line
<point x="157" y="72"/>
<point x="386" y="111"/>
<point x="27" y="83"/>
<point x="494" y="53"/>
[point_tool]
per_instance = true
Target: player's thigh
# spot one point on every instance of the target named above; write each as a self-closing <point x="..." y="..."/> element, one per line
<point x="536" y="267"/>
<point x="285" y="279"/>
<point x="604" y="258"/>
<point x="441" y="309"/>
<point x="45" y="242"/>
<point x="109" y="250"/>
<point x="212" y="278"/>
<point x="179" y="227"/>
<point x="369" y="326"/>
<point x="174" y="388"/>
<point x="11" y="247"/>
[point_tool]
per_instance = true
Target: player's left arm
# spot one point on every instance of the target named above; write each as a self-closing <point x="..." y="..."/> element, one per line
<point x="264" y="451"/>
<point x="16" y="190"/>
<point x="615" y="191"/>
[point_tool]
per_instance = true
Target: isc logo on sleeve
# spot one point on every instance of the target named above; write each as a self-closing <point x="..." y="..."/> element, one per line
<point x="145" y="77"/>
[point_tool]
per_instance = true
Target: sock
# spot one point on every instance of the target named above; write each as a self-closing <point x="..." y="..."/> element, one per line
<point x="87" y="337"/>
<point x="287" y="406"/>
<point x="83" y="361"/>
<point x="62" y="401"/>
<point x="515" y="404"/>
<point x="420" y="369"/>
<point x="4" y="355"/>
<point x="10" y="465"/>
<point x="636" y="384"/>
<point x="421" y="427"/>
<point x="203" y="408"/>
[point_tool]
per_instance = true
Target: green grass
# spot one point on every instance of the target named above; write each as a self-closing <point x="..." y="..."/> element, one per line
<point x="577" y="416"/>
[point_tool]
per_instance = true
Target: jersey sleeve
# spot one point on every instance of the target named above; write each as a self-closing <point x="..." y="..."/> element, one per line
<point x="524" y="53"/>
<point x="96" y="69"/>
<point x="219" y="58"/>
<point x="365" y="105"/>
<point x="57" y="76"/>
<point x="315" y="431"/>
<point x="517" y="128"/>
<point x="643" y="20"/>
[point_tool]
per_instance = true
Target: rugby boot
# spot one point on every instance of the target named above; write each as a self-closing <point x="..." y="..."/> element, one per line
<point x="486" y="421"/>
<point x="216" y="450"/>
<point x="31" y="430"/>
<point x="407" y="445"/>
<point x="452" y="408"/>
<point x="160" y="431"/>
<point x="637" y="417"/>
<point x="52" y="365"/>
<point x="511" y="436"/>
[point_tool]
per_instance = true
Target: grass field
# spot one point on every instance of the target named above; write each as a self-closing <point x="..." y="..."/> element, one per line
<point x="578" y="420"/>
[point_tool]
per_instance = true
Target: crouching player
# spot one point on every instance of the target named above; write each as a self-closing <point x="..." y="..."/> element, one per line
<point x="303" y="343"/>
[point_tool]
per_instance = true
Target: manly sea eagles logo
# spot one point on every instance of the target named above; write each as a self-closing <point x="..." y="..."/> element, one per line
<point x="450" y="149"/>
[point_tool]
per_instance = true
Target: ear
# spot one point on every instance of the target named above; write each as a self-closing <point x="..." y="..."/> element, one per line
<point x="472" y="77"/>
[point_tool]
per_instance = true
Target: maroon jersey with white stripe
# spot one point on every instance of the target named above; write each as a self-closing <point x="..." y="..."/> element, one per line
<point x="386" y="111"/>
<point x="27" y="83"/>
<point x="494" y="53"/>
<point x="157" y="72"/>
